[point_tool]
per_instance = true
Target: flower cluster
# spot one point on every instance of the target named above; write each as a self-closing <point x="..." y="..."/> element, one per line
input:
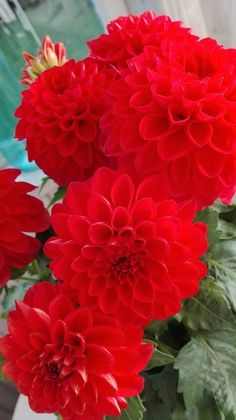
<point x="172" y="113"/>
<point x="142" y="134"/>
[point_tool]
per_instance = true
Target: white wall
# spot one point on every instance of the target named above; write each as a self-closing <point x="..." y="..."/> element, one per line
<point x="220" y="16"/>
<point x="216" y="18"/>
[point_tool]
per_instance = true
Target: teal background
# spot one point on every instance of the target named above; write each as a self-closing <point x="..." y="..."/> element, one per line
<point x="70" y="21"/>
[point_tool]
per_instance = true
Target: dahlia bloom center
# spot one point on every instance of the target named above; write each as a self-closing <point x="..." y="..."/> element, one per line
<point x="54" y="370"/>
<point x="59" y="362"/>
<point x="123" y="264"/>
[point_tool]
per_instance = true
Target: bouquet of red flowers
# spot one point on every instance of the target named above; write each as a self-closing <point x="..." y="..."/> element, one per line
<point x="122" y="303"/>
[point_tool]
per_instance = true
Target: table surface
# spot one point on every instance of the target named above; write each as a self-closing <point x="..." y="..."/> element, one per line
<point x="8" y="399"/>
<point x="23" y="412"/>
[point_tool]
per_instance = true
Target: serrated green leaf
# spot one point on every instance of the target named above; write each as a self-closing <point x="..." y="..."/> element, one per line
<point x="154" y="406"/>
<point x="207" y="364"/>
<point x="228" y="230"/>
<point x="135" y="410"/>
<point x="160" y="358"/>
<point x="58" y="195"/>
<point x="192" y="363"/>
<point x="227" y="219"/>
<point x="208" y="309"/>
<point x="222" y="266"/>
<point x="228" y="213"/>
<point x="160" y="396"/>
<point x="222" y="209"/>
<point x="206" y="407"/>
<point x="210" y="217"/>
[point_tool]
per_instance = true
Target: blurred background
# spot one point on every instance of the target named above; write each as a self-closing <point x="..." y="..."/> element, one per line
<point x="23" y="23"/>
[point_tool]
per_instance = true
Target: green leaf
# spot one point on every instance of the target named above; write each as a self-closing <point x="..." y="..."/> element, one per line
<point x="208" y="309"/>
<point x="227" y="219"/>
<point x="156" y="328"/>
<point x="222" y="266"/>
<point x="228" y="213"/>
<point x="207" y="364"/>
<point x="153" y="403"/>
<point x="160" y="358"/>
<point x="58" y="195"/>
<point x="135" y="410"/>
<point x="228" y="230"/>
<point x="207" y="406"/>
<point x="210" y="217"/>
<point x="192" y="363"/>
<point x="222" y="209"/>
<point x="160" y="396"/>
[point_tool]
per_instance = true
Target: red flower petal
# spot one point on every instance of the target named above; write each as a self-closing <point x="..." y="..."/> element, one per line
<point x="98" y="208"/>
<point x="200" y="133"/>
<point x="122" y="191"/>
<point x="210" y="162"/>
<point x="153" y="127"/>
<point x="99" y="232"/>
<point x="174" y="146"/>
<point x="100" y="360"/>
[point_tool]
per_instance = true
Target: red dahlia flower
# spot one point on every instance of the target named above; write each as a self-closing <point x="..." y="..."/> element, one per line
<point x="128" y="35"/>
<point x="59" y="117"/>
<point x="19" y="213"/>
<point x="173" y="112"/>
<point x="126" y="251"/>
<point x="70" y="359"/>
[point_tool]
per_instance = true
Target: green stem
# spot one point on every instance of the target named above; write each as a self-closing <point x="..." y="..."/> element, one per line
<point x="29" y="279"/>
<point x="166" y="349"/>
<point x="36" y="267"/>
